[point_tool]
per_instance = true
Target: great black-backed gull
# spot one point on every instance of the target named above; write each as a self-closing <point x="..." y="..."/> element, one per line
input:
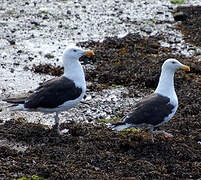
<point x="60" y="93"/>
<point x="158" y="108"/>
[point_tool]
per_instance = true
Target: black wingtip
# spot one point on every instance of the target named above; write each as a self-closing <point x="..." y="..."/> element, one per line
<point x="15" y="100"/>
<point x="114" y="124"/>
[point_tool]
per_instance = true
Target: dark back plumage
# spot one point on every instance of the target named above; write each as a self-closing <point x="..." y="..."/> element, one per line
<point x="151" y="110"/>
<point x="50" y="94"/>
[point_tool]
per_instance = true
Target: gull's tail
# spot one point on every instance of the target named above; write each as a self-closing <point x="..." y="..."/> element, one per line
<point x="20" y="100"/>
<point x="118" y="126"/>
<point x="17" y="104"/>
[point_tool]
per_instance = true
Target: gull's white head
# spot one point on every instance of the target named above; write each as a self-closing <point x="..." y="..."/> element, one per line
<point x="173" y="65"/>
<point x="166" y="82"/>
<point x="74" y="53"/>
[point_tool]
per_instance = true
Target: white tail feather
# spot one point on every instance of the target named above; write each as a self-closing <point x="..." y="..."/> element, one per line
<point x="121" y="127"/>
<point x="118" y="127"/>
<point x="19" y="107"/>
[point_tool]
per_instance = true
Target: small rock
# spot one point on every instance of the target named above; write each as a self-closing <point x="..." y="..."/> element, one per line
<point x="180" y="16"/>
<point x="49" y="56"/>
<point x="68" y="12"/>
<point x="13" y="30"/>
<point x="30" y="58"/>
<point x="35" y="23"/>
<point x="12" y="42"/>
<point x="19" y="51"/>
<point x="16" y="63"/>
<point x="45" y="17"/>
<point x="12" y="70"/>
<point x="77" y="16"/>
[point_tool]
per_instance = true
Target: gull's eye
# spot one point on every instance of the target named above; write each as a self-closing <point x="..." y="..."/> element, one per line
<point x="74" y="50"/>
<point x="173" y="62"/>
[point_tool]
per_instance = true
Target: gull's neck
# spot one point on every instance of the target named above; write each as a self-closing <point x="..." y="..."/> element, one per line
<point x="166" y="83"/>
<point x="74" y="71"/>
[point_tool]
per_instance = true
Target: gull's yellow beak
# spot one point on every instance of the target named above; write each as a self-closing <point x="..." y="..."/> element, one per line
<point x="88" y="53"/>
<point x="186" y="68"/>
